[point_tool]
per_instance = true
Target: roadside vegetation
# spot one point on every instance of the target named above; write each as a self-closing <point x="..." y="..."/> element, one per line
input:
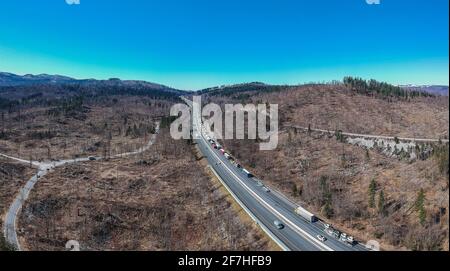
<point x="398" y="200"/>
<point x="381" y="89"/>
<point x="5" y="246"/>
<point x="160" y="200"/>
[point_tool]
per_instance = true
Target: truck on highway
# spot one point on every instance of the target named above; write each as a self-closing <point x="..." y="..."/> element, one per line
<point x="333" y="232"/>
<point x="341" y="236"/>
<point x="347" y="239"/>
<point x="249" y="175"/>
<point x="350" y="241"/>
<point x="305" y="214"/>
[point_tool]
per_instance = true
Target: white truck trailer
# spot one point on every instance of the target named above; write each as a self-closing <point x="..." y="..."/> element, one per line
<point x="306" y="214"/>
<point x="249" y="175"/>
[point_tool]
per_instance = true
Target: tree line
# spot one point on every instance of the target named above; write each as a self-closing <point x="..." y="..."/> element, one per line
<point x="381" y="89"/>
<point x="51" y="95"/>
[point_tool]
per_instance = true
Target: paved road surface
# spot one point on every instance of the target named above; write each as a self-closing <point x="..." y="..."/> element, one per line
<point x="266" y="207"/>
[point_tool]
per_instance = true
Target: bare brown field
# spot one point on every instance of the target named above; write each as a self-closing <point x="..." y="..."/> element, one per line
<point x="13" y="176"/>
<point x="160" y="200"/>
<point x="114" y="125"/>
<point x="316" y="170"/>
<point x="332" y="178"/>
<point x="337" y="108"/>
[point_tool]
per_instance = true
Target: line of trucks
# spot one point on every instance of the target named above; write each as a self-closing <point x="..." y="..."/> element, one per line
<point x="343" y="237"/>
<point x="228" y="156"/>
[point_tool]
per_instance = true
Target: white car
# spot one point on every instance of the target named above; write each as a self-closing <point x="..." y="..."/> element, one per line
<point x="321" y="238"/>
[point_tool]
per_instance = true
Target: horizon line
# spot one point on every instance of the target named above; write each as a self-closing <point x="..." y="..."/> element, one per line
<point x="220" y="85"/>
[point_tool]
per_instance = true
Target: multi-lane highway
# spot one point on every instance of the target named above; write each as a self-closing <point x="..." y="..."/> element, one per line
<point x="266" y="205"/>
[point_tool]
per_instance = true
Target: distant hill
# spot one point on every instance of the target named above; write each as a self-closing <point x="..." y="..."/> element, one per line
<point x="368" y="87"/>
<point x="434" y="89"/>
<point x="10" y="79"/>
<point x="227" y="90"/>
<point x="13" y="80"/>
<point x="15" y="89"/>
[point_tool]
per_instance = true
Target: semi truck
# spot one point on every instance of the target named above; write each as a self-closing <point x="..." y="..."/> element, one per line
<point x="305" y="214"/>
<point x="349" y="240"/>
<point x="341" y="236"/>
<point x="249" y="175"/>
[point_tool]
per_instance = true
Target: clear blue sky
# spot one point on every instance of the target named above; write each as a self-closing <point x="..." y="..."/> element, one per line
<point x="200" y="43"/>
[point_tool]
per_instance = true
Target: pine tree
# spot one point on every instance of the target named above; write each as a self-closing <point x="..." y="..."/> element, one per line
<point x="294" y="190"/>
<point x="372" y="191"/>
<point x="327" y="208"/>
<point x="367" y="155"/>
<point x="420" y="206"/>
<point x="129" y="131"/>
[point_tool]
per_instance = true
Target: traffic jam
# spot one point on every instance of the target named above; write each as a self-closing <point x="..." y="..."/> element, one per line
<point x="328" y="229"/>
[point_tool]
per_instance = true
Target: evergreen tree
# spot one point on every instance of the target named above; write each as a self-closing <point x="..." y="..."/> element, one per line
<point x="420" y="206"/>
<point x="294" y="190"/>
<point x="327" y="208"/>
<point x="372" y="191"/>
<point x="367" y="155"/>
<point x="129" y="131"/>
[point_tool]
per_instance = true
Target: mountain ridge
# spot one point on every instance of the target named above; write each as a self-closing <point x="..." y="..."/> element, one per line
<point x="8" y="79"/>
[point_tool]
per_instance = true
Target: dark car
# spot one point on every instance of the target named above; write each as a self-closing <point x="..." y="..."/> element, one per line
<point x="278" y="224"/>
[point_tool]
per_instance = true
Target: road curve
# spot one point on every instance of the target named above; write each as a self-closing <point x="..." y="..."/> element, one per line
<point x="10" y="225"/>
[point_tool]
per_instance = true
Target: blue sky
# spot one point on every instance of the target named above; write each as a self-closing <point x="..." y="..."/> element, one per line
<point x="201" y="43"/>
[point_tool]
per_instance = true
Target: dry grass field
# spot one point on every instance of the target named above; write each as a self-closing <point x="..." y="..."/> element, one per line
<point x="332" y="178"/>
<point x="160" y="200"/>
<point x="334" y="107"/>
<point x="13" y="176"/>
<point x="115" y="125"/>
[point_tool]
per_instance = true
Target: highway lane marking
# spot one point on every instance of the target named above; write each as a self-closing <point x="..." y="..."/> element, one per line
<point x="250" y="213"/>
<point x="302" y="232"/>
<point x="254" y="214"/>
<point x="281" y="196"/>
